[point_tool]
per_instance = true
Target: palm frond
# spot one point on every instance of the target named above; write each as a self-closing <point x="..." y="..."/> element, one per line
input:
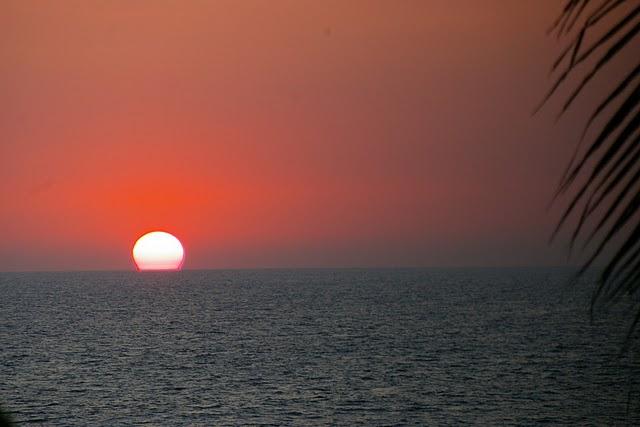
<point x="5" y="420"/>
<point x="607" y="198"/>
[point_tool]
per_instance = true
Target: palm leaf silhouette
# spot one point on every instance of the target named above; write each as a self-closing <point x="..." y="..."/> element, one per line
<point x="604" y="176"/>
<point x="5" y="420"/>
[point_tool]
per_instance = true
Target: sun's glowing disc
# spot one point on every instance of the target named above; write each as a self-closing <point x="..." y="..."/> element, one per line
<point x="158" y="250"/>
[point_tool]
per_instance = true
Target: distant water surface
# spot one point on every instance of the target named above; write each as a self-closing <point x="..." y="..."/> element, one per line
<point x="370" y="347"/>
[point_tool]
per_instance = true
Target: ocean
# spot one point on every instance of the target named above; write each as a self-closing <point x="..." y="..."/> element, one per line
<point x="311" y="347"/>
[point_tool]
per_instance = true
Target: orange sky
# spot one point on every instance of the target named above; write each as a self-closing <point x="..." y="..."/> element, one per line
<point x="288" y="133"/>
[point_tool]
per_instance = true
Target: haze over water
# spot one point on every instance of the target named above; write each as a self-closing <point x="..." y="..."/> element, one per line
<point x="372" y="347"/>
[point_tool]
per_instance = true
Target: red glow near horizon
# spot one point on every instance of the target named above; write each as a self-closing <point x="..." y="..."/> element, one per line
<point x="296" y="134"/>
<point x="158" y="250"/>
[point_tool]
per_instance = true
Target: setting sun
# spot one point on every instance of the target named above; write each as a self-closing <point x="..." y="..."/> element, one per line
<point x="158" y="250"/>
<point x="379" y="232"/>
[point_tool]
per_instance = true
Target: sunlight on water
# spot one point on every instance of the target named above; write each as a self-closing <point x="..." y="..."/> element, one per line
<point x="305" y="346"/>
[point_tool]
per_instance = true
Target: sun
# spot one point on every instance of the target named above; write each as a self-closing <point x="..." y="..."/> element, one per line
<point x="158" y="250"/>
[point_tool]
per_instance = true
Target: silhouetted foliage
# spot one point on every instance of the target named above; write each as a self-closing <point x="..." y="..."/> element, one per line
<point x="604" y="176"/>
<point x="5" y="421"/>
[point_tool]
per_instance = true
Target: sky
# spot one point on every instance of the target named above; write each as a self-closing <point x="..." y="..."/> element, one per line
<point x="279" y="134"/>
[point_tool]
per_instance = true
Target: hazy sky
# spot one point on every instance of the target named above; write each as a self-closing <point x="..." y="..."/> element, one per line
<point x="278" y="133"/>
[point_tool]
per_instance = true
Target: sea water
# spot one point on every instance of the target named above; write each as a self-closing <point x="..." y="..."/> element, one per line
<point x="311" y="347"/>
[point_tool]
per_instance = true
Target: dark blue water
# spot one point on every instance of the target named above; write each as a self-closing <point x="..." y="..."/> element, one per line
<point x="372" y="347"/>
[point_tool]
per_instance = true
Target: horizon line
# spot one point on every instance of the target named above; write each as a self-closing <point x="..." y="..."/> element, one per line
<point x="459" y="267"/>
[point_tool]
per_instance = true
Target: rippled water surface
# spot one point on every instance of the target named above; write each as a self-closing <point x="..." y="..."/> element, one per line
<point x="372" y="347"/>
